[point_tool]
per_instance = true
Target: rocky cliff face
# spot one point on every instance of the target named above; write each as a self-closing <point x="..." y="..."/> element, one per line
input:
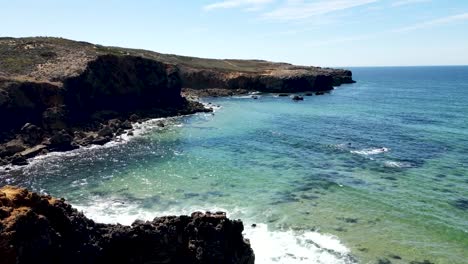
<point x="283" y="78"/>
<point x="67" y="96"/>
<point x="58" y="94"/>
<point x="41" y="229"/>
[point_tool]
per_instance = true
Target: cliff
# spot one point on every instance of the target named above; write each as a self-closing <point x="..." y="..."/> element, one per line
<point x="41" y="229"/>
<point x="58" y="94"/>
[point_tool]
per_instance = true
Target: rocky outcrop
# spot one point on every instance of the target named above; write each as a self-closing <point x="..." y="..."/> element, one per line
<point x="67" y="91"/>
<point x="41" y="229"/>
<point x="284" y="78"/>
<point x="62" y="109"/>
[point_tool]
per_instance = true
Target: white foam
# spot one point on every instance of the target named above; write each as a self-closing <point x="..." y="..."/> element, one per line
<point x="270" y="246"/>
<point x="397" y="164"/>
<point x="370" y="151"/>
<point x="139" y="130"/>
<point x="296" y="247"/>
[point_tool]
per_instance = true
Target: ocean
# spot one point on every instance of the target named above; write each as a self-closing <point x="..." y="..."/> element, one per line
<point x="372" y="172"/>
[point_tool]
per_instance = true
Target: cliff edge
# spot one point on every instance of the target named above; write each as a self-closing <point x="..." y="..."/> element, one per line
<point x="58" y="94"/>
<point x="41" y="229"/>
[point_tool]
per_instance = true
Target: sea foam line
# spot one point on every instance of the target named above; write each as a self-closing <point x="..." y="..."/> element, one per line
<point x="270" y="246"/>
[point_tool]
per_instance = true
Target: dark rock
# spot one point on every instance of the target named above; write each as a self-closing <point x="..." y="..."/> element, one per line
<point x="31" y="134"/>
<point x="119" y="132"/>
<point x="19" y="160"/>
<point x="106" y="131"/>
<point x="308" y="94"/>
<point x="12" y="147"/>
<point x="126" y="125"/>
<point x="115" y="124"/>
<point x="283" y="94"/>
<point x="254" y="225"/>
<point x="134" y="118"/>
<point x="298" y="98"/>
<point x="130" y="133"/>
<point x="55" y="118"/>
<point x="161" y="124"/>
<point x="319" y="93"/>
<point x="100" y="140"/>
<point x="61" y="141"/>
<point x="254" y="97"/>
<point x="41" y="229"/>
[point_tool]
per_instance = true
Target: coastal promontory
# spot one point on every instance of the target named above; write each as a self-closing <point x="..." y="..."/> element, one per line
<point x="58" y="94"/>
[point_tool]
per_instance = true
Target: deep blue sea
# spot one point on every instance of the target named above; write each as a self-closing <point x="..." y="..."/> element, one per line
<point x="372" y="171"/>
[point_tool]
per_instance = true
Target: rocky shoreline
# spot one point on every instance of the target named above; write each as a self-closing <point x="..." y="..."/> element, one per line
<point x="40" y="229"/>
<point x="58" y="94"/>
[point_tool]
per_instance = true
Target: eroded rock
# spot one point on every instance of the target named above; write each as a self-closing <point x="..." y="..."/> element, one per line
<point x="40" y="229"/>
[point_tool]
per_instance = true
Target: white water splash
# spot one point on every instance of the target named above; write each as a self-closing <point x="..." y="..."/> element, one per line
<point x="270" y="246"/>
<point x="370" y="151"/>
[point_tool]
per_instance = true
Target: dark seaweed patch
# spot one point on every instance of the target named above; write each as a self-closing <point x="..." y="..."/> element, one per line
<point x="461" y="204"/>
<point x="190" y="195"/>
<point x="383" y="261"/>
<point x="421" y="262"/>
<point x="393" y="256"/>
<point x="348" y="220"/>
<point x="308" y="197"/>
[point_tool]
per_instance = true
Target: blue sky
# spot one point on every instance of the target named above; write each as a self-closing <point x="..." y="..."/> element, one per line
<point x="306" y="32"/>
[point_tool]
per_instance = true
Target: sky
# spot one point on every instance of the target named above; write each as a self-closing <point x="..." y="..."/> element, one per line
<point x="306" y="32"/>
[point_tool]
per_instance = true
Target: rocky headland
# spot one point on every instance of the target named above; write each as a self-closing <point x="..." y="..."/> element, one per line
<point x="58" y="94"/>
<point x="40" y="229"/>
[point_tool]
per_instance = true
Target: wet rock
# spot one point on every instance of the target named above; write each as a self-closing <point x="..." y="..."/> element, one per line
<point x="106" y="131"/>
<point x="319" y="93"/>
<point x="254" y="97"/>
<point x="61" y="141"/>
<point x="119" y="132"/>
<point x="134" y="118"/>
<point x="100" y="140"/>
<point x="19" y="160"/>
<point x="161" y="124"/>
<point x="130" y="133"/>
<point x="283" y="94"/>
<point x="308" y="94"/>
<point x="40" y="229"/>
<point x="114" y="124"/>
<point x="126" y="125"/>
<point x="298" y="98"/>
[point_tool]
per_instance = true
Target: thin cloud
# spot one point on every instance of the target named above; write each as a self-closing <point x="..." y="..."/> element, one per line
<point x="300" y="9"/>
<point x="435" y="22"/>
<point x="408" y="2"/>
<point x="248" y="4"/>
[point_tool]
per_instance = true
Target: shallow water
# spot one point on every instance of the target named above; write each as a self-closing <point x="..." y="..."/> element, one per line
<point x="372" y="170"/>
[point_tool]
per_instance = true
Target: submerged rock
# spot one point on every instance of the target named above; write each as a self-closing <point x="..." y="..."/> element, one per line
<point x="298" y="98"/>
<point x="41" y="229"/>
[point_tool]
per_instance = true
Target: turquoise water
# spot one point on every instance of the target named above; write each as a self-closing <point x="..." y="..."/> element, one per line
<point x="372" y="170"/>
